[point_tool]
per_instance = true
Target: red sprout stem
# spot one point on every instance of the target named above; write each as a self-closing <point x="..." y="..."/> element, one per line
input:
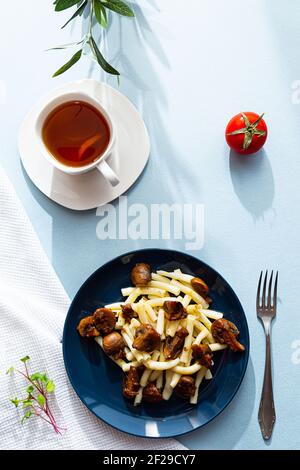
<point x="29" y="380"/>
<point x="46" y="409"/>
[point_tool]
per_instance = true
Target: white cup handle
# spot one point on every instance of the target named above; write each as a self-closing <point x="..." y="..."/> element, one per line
<point x="108" y="173"/>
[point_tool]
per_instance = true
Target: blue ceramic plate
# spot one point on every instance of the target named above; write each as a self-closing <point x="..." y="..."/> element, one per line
<point x="98" y="381"/>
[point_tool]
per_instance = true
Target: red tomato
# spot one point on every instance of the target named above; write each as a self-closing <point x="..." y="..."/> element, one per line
<point x="246" y="133"/>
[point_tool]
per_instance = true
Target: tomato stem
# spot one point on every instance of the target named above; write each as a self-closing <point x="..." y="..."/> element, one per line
<point x="249" y="130"/>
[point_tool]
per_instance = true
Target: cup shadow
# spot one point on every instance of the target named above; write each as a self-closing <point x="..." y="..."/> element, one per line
<point x="76" y="251"/>
<point x="253" y="182"/>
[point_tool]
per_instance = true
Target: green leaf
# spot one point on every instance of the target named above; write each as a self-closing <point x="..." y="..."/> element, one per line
<point x="26" y="416"/>
<point x="65" y="46"/>
<point x="27" y="404"/>
<point x="61" y="5"/>
<point x="25" y="359"/>
<point x="76" y="57"/>
<point x="10" y="371"/>
<point x="100" y="13"/>
<point x="119" y="7"/>
<point x="35" y="376"/>
<point x="30" y="389"/>
<point x="15" y="402"/>
<point x="41" y="400"/>
<point x="78" y="12"/>
<point x="100" y="59"/>
<point x="50" y="387"/>
<point x="44" y="379"/>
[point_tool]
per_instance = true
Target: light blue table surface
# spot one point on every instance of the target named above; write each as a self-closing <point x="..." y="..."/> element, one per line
<point x="188" y="67"/>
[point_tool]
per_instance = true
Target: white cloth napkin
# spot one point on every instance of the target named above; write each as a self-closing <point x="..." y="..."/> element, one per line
<point x="33" y="305"/>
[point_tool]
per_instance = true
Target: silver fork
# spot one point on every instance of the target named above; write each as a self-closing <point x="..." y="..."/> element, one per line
<point x="266" y="304"/>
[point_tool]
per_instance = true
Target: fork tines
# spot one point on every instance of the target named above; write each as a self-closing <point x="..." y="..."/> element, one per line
<point x="267" y="302"/>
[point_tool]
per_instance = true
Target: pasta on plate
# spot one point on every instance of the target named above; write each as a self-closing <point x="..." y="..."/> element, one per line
<point x="163" y="335"/>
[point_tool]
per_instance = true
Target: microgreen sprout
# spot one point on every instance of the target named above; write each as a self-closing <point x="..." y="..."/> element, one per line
<point x="37" y="394"/>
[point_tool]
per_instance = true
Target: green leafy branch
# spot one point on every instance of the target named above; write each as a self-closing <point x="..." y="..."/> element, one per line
<point x="36" y="401"/>
<point x="98" y="10"/>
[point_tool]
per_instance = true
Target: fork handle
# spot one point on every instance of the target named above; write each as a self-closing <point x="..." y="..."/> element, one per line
<point x="266" y="414"/>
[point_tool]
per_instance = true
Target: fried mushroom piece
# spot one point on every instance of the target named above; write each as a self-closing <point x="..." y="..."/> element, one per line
<point x="87" y="329"/>
<point x="141" y="274"/>
<point x="146" y="338"/>
<point x="173" y="345"/>
<point x="131" y="383"/>
<point x="203" y="354"/>
<point x="174" y="310"/>
<point x="128" y="312"/>
<point x="201" y="288"/>
<point x="120" y="354"/>
<point x="225" y="332"/>
<point x="113" y="345"/>
<point x="104" y="320"/>
<point x="151" y="394"/>
<point x="185" y="387"/>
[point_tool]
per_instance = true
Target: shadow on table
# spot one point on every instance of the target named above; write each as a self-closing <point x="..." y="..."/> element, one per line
<point x="225" y="431"/>
<point x="282" y="25"/>
<point x="134" y="44"/>
<point x="76" y="250"/>
<point x="253" y="182"/>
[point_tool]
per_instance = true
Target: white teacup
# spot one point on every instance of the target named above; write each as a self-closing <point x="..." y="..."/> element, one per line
<point x="100" y="163"/>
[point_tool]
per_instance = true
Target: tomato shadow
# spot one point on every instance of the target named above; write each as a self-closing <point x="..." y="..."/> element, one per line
<point x="253" y="182"/>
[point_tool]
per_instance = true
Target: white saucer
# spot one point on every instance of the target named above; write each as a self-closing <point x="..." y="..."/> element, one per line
<point x="90" y="190"/>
